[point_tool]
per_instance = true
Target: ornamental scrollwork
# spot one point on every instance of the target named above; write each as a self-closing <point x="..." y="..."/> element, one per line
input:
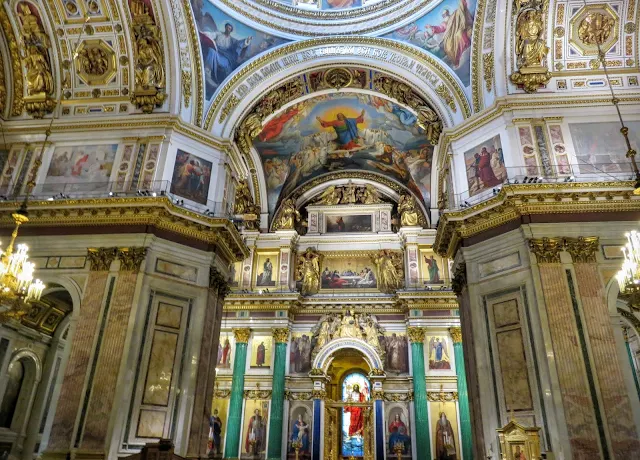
<point x="257" y="394"/>
<point x="241" y="334"/>
<point x="398" y="397"/>
<point x="531" y="46"/>
<point x="427" y="117"/>
<point x="298" y="395"/>
<point x="456" y="334"/>
<point x="582" y="249"/>
<point x="280" y="334"/>
<point x="149" y="73"/>
<point x="416" y="334"/>
<point x="442" y="396"/>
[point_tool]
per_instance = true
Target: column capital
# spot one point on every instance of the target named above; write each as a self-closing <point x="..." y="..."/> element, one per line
<point x="582" y="249"/>
<point x="217" y="281"/>
<point x="416" y="334"/>
<point x="547" y="250"/>
<point x="377" y="393"/>
<point x="100" y="258"/>
<point x="280" y="334"/>
<point x="241" y="334"/>
<point x="459" y="280"/>
<point x="456" y="334"/>
<point x="131" y="258"/>
<point x="318" y="394"/>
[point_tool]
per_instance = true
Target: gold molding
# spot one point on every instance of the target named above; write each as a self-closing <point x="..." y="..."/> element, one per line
<point x="280" y="334"/>
<point x="456" y="334"/>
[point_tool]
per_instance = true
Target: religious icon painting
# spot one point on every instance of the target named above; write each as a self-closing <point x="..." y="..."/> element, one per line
<point x="256" y="414"/>
<point x="235" y="274"/>
<point x="433" y="269"/>
<point x="445" y="430"/>
<point x="266" y="269"/>
<point x="398" y="432"/>
<point x="485" y="165"/>
<point x="224" y="351"/>
<point x="191" y="177"/>
<point x="300" y="432"/>
<point x="355" y="389"/>
<point x="300" y="353"/>
<point x="396" y="349"/>
<point x="348" y="224"/>
<point x="439" y="358"/>
<point x="217" y="428"/>
<point x="261" y="349"/>
<point x="84" y="168"/>
<point x="347" y="271"/>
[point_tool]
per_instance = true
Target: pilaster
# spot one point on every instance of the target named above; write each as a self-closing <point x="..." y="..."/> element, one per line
<point x="416" y="337"/>
<point x="232" y="443"/>
<point x="274" y="446"/>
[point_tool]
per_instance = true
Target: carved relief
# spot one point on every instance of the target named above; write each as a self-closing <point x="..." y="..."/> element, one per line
<point x="100" y="258"/>
<point x="96" y="62"/>
<point x="595" y="28"/>
<point x="349" y="194"/>
<point x="531" y="46"/>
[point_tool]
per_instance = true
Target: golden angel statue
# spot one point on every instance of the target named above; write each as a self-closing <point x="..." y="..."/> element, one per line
<point x="407" y="210"/>
<point x="289" y="215"/>
<point x="331" y="196"/>
<point x="390" y="270"/>
<point x="39" y="77"/>
<point x="244" y="200"/>
<point x="370" y="195"/>
<point x="531" y="48"/>
<point x="309" y="271"/>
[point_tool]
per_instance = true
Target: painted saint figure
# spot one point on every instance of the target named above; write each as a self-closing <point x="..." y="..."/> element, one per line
<point x="438" y="357"/>
<point x="356" y="422"/>
<point x="254" y="441"/>
<point x="485" y="171"/>
<point x="519" y="454"/>
<point x="215" y="433"/>
<point x="398" y="433"/>
<point x="346" y="129"/>
<point x="264" y="278"/>
<point x="456" y="29"/>
<point x="260" y="355"/>
<point x="300" y="433"/>
<point x="224" y="52"/>
<point x="434" y="270"/>
<point x="224" y="354"/>
<point x="445" y="442"/>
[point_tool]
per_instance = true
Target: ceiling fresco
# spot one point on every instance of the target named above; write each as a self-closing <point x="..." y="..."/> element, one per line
<point x="343" y="131"/>
<point x="446" y="33"/>
<point x="328" y="4"/>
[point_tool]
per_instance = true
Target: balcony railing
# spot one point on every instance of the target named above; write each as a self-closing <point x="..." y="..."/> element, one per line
<point x="95" y="190"/>
<point x="554" y="174"/>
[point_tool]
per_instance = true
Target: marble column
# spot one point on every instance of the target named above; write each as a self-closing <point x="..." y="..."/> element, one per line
<point x="423" y="446"/>
<point x="274" y="446"/>
<point x="616" y="406"/>
<point x="379" y="424"/>
<point x="106" y="380"/>
<point x="232" y="443"/>
<point x="207" y="362"/>
<point x="630" y="355"/>
<point x="463" y="399"/>
<point x="316" y="441"/>
<point x="62" y="438"/>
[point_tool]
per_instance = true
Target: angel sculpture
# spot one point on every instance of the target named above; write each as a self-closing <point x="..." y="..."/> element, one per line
<point x="390" y="270"/>
<point x="243" y="198"/>
<point x="331" y="196"/>
<point x="289" y="215"/>
<point x="309" y="271"/>
<point x="407" y="211"/>
<point x="371" y="195"/>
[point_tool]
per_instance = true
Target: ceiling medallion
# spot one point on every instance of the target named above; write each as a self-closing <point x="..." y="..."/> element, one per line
<point x="596" y="28"/>
<point x="338" y="78"/>
<point x="95" y="62"/>
<point x="592" y="27"/>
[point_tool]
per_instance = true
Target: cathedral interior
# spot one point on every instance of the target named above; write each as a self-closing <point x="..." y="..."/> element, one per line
<point x="319" y="229"/>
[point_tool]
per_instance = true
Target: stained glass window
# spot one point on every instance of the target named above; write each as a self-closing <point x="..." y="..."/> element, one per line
<point x="355" y="389"/>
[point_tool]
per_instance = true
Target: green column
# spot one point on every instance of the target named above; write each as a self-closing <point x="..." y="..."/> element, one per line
<point x="633" y="367"/>
<point x="232" y="442"/>
<point x="463" y="396"/>
<point x="274" y="446"/>
<point x="423" y="446"/>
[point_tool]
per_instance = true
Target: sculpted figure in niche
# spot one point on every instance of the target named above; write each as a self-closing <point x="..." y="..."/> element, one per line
<point x="331" y="196"/>
<point x="243" y="198"/>
<point x="407" y="211"/>
<point x="288" y="216"/>
<point x="309" y="271"/>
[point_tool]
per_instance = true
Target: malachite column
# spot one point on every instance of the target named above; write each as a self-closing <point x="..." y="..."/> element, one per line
<point x="274" y="448"/>
<point x="463" y="397"/>
<point x="633" y="367"/>
<point x="232" y="443"/>
<point x="423" y="447"/>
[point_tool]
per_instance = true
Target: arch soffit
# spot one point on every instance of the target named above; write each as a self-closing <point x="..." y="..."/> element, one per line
<point x="325" y="356"/>
<point x="407" y="62"/>
<point x="32" y="358"/>
<point x="69" y="284"/>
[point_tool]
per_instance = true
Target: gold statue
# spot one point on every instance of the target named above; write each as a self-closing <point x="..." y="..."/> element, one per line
<point x="407" y="210"/>
<point x="390" y="270"/>
<point x="39" y="77"/>
<point x="289" y="215"/>
<point x="596" y="28"/>
<point x="149" y="70"/>
<point x="243" y="198"/>
<point x="309" y="271"/>
<point x="349" y="327"/>
<point x="370" y="195"/>
<point x="531" y="48"/>
<point x="331" y="196"/>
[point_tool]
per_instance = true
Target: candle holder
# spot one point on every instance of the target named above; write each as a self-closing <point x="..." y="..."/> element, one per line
<point x="296" y="445"/>
<point x="398" y="448"/>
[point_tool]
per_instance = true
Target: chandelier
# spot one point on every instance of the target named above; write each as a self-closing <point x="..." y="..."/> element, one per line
<point x="17" y="286"/>
<point x="629" y="276"/>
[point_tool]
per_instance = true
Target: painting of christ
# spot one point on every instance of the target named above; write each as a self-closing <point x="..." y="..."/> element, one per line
<point x="356" y="390"/>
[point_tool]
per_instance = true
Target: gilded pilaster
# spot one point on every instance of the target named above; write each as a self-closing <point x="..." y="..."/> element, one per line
<point x="207" y="361"/>
<point x="111" y="352"/>
<point x="616" y="407"/>
<point x="63" y="429"/>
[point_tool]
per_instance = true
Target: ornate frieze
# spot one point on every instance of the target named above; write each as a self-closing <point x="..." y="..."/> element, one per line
<point x="298" y="395"/>
<point x="547" y="250"/>
<point x="257" y="394"/>
<point x="100" y="258"/>
<point x="416" y="334"/>
<point x="398" y="397"/>
<point x="442" y="396"/>
<point x="582" y="249"/>
<point x="131" y="258"/>
<point x="241" y="334"/>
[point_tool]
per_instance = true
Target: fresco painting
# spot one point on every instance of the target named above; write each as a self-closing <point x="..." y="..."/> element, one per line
<point x="191" y="177"/>
<point x="600" y="148"/>
<point x="348" y="272"/>
<point x="226" y="43"/>
<point x="335" y="132"/>
<point x="340" y="4"/>
<point x="346" y="224"/>
<point x="485" y="166"/>
<point x="82" y="167"/>
<point x="446" y="33"/>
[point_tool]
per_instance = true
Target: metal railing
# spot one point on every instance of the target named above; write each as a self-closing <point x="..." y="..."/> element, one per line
<point x="94" y="190"/>
<point x="556" y="174"/>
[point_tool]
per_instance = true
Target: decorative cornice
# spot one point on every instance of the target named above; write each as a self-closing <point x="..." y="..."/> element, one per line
<point x="582" y="249"/>
<point x="298" y="395"/>
<point x="241" y="334"/>
<point x="547" y="250"/>
<point x="416" y="334"/>
<point x="131" y="258"/>
<point x="100" y="259"/>
<point x="456" y="334"/>
<point x="280" y="334"/>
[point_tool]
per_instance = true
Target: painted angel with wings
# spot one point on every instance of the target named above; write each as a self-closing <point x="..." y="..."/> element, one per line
<point x="438" y="356"/>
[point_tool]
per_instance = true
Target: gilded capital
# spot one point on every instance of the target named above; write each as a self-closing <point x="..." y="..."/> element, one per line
<point x="416" y="334"/>
<point x="318" y="394"/>
<point x="131" y="258"/>
<point x="547" y="250"/>
<point x="377" y="394"/>
<point x="280" y="334"/>
<point x="241" y="334"/>
<point x="100" y="258"/>
<point x="582" y="249"/>
<point x="456" y="334"/>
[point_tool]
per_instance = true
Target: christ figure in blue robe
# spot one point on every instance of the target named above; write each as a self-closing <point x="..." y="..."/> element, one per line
<point x="223" y="53"/>
<point x="346" y="129"/>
